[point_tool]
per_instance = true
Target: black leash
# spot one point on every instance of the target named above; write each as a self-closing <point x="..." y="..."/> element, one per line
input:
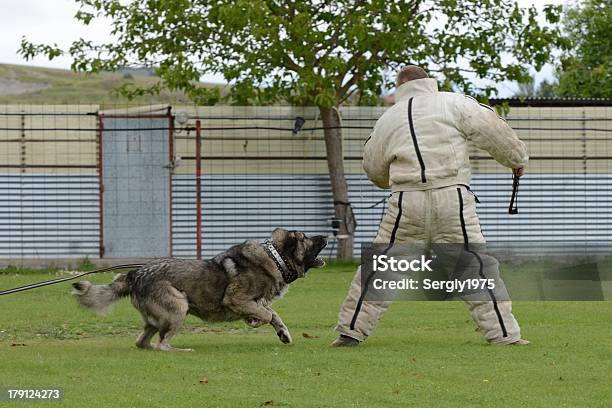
<point x="513" y="207"/>
<point x="367" y="207"/>
<point x="59" y="280"/>
<point x="382" y="201"/>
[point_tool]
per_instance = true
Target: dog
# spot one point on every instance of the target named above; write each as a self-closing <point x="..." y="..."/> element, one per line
<point x="238" y="284"/>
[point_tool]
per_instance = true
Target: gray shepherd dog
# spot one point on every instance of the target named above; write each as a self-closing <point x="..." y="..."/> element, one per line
<point x="240" y="283"/>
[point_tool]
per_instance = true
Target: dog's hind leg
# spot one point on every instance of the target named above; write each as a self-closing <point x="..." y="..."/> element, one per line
<point x="165" y="334"/>
<point x="144" y="340"/>
<point x="168" y="308"/>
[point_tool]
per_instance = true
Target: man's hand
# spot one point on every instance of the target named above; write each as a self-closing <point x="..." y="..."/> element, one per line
<point x="519" y="171"/>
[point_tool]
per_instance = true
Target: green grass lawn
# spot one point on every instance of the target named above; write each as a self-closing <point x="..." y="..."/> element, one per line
<point x="423" y="354"/>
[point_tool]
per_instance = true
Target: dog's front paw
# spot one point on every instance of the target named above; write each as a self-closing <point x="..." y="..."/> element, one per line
<point x="253" y="322"/>
<point x="284" y="336"/>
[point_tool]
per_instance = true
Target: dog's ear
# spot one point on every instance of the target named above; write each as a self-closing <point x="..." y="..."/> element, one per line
<point x="279" y="235"/>
<point x="290" y="242"/>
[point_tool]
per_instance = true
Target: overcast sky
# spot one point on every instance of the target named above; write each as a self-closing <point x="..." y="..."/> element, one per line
<point x="51" y="21"/>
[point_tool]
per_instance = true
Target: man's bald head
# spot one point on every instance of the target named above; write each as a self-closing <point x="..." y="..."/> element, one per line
<point x="410" y="73"/>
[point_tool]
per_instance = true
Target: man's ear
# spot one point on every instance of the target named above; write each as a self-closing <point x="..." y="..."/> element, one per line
<point x="279" y="235"/>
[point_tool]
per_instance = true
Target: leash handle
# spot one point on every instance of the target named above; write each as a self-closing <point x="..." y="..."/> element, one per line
<point x="513" y="207"/>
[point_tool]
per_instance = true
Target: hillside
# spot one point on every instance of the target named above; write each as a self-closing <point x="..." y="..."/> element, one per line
<point x="21" y="84"/>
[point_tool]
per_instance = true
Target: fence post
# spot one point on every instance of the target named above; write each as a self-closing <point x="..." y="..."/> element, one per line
<point x="198" y="157"/>
<point x="171" y="173"/>
<point x="101" y="186"/>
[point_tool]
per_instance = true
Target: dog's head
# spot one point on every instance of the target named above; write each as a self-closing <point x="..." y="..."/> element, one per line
<point x="300" y="251"/>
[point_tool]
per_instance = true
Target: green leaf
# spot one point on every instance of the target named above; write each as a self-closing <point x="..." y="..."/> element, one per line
<point x="306" y="52"/>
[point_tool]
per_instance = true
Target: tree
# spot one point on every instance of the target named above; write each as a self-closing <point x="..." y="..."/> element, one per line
<point x="544" y="89"/>
<point x="313" y="52"/>
<point x="585" y="71"/>
<point x="526" y="90"/>
<point x="547" y="89"/>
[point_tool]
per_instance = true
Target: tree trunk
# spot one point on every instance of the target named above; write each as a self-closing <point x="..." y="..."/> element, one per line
<point x="335" y="165"/>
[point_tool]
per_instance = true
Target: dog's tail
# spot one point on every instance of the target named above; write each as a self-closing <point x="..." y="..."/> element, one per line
<point x="99" y="298"/>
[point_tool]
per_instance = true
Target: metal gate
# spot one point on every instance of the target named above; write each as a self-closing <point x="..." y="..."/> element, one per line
<point x="135" y="171"/>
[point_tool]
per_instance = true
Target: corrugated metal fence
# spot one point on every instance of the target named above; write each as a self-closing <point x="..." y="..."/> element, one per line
<point x="257" y="175"/>
<point x="49" y="190"/>
<point x="48" y="215"/>
<point x="557" y="214"/>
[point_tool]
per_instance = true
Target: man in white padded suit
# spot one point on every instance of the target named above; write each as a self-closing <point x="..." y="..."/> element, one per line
<point x="419" y="149"/>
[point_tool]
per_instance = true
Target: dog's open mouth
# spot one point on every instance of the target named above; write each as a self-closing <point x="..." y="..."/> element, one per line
<point x="320" y="242"/>
<point x="318" y="262"/>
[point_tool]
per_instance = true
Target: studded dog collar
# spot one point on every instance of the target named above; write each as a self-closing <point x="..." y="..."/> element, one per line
<point x="288" y="272"/>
